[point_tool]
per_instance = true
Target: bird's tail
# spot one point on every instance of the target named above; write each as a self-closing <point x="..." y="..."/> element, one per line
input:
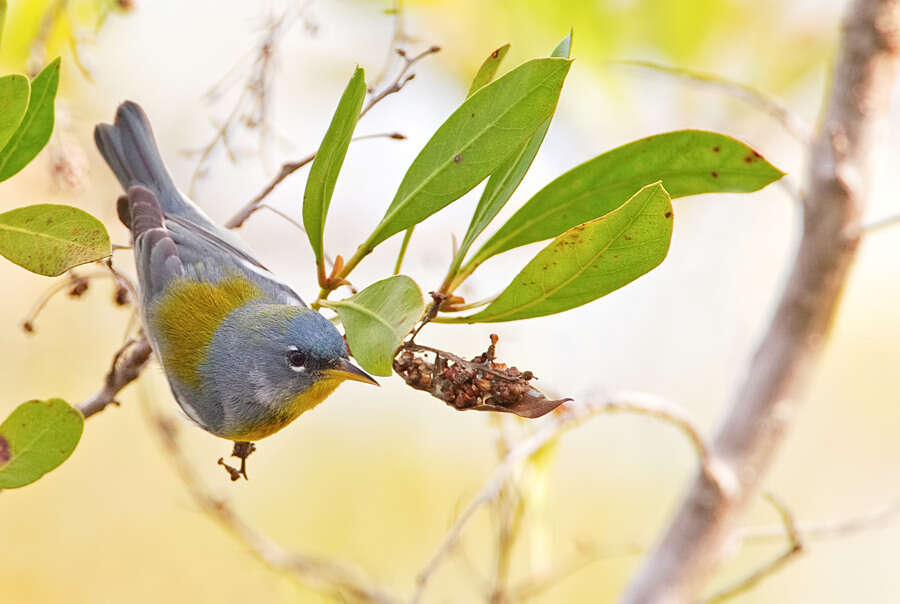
<point x="128" y="146"/>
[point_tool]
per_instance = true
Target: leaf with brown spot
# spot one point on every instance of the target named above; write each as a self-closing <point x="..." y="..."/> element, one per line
<point x="588" y="261"/>
<point x="488" y="69"/>
<point x="50" y="239"/>
<point x="683" y="160"/>
<point x="36" y="438"/>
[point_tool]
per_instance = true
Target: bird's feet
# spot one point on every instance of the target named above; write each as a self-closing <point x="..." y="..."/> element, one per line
<point x="242" y="451"/>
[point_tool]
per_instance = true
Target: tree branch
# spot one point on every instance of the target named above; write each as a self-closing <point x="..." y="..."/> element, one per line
<point x="794" y="548"/>
<point x="126" y="366"/>
<point x="764" y="404"/>
<point x="768" y="105"/>
<point x="317" y="573"/>
<point x="563" y="421"/>
<point x="287" y="168"/>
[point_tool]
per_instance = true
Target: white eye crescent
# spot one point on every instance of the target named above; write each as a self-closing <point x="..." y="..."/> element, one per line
<point x="296" y="360"/>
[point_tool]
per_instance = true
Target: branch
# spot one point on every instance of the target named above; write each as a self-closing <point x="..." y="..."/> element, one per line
<point x="402" y="78"/>
<point x="316" y="573"/>
<point x="531" y="587"/>
<point x="791" y="123"/>
<point x="866" y="521"/>
<point x="563" y="421"/>
<point x="882" y="223"/>
<point x="126" y="366"/>
<point x="795" y="547"/>
<point x="287" y="168"/>
<point x="764" y="404"/>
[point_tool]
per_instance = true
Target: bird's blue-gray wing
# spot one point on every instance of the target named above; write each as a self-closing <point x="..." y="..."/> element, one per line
<point x="209" y="257"/>
<point x="167" y="247"/>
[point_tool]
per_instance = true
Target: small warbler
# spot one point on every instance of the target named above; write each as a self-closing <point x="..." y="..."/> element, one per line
<point x="243" y="354"/>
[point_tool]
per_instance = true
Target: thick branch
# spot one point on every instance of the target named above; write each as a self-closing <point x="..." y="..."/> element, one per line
<point x="768" y="398"/>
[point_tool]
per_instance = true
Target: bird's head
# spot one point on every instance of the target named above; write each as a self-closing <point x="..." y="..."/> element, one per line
<point x="285" y="359"/>
<point x="313" y="351"/>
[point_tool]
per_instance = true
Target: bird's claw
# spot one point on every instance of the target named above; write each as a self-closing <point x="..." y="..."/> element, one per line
<point x="242" y="451"/>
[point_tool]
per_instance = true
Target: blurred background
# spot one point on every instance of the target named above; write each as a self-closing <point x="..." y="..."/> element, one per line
<point x="376" y="477"/>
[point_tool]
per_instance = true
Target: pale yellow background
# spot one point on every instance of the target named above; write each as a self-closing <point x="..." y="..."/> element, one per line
<point x="375" y="477"/>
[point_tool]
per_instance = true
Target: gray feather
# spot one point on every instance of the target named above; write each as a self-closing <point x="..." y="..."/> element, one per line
<point x="128" y="146"/>
<point x="156" y="254"/>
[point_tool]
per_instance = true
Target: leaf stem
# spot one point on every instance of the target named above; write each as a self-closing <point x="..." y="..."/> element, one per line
<point x="406" y="237"/>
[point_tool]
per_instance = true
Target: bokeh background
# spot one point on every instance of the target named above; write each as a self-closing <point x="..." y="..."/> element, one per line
<point x="375" y="477"/>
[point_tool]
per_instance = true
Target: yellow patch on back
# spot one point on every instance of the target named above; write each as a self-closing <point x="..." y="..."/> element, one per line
<point x="187" y="316"/>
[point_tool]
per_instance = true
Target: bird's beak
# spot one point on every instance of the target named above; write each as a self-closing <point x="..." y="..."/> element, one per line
<point x="348" y="371"/>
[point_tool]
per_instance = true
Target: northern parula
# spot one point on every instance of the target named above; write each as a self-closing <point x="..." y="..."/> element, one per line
<point x="243" y="354"/>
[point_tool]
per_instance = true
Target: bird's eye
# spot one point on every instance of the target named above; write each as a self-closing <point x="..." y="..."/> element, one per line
<point x="296" y="359"/>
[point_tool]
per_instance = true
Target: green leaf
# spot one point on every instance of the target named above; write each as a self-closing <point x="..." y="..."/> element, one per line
<point x="36" y="126"/>
<point x="50" y="239"/>
<point x="329" y="159"/>
<point x="36" y="438"/>
<point x="506" y="179"/>
<point x="589" y="260"/>
<point x="488" y="69"/>
<point x="473" y="142"/>
<point x="688" y="162"/>
<point x="378" y="318"/>
<point x="14" y="92"/>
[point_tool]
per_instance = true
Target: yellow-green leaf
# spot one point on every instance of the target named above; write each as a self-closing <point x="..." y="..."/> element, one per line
<point x="589" y="260"/>
<point x="506" y="179"/>
<point x="488" y="69"/>
<point x="377" y="319"/>
<point x="36" y="438"/>
<point x="473" y="142"/>
<point x="329" y="159"/>
<point x="36" y="126"/>
<point x="688" y="162"/>
<point x="14" y="93"/>
<point x="50" y="239"/>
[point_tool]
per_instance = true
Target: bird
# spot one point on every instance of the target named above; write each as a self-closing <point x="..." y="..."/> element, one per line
<point x="243" y="354"/>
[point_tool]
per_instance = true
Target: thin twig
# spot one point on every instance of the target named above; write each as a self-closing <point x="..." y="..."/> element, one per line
<point x="881" y="223"/>
<point x="530" y="587"/>
<point x="402" y="78"/>
<point x="38" y="51"/>
<point x="874" y="519"/>
<point x="398" y="38"/>
<point x="288" y="168"/>
<point x="252" y="109"/>
<point x="570" y="417"/>
<point x="317" y="573"/>
<point x="508" y="509"/>
<point x="127" y="365"/>
<point x="71" y="281"/>
<point x="795" y="547"/>
<point x="796" y="127"/>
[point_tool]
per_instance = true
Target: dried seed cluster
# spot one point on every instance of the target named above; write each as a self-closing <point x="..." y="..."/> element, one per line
<point x="481" y="383"/>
